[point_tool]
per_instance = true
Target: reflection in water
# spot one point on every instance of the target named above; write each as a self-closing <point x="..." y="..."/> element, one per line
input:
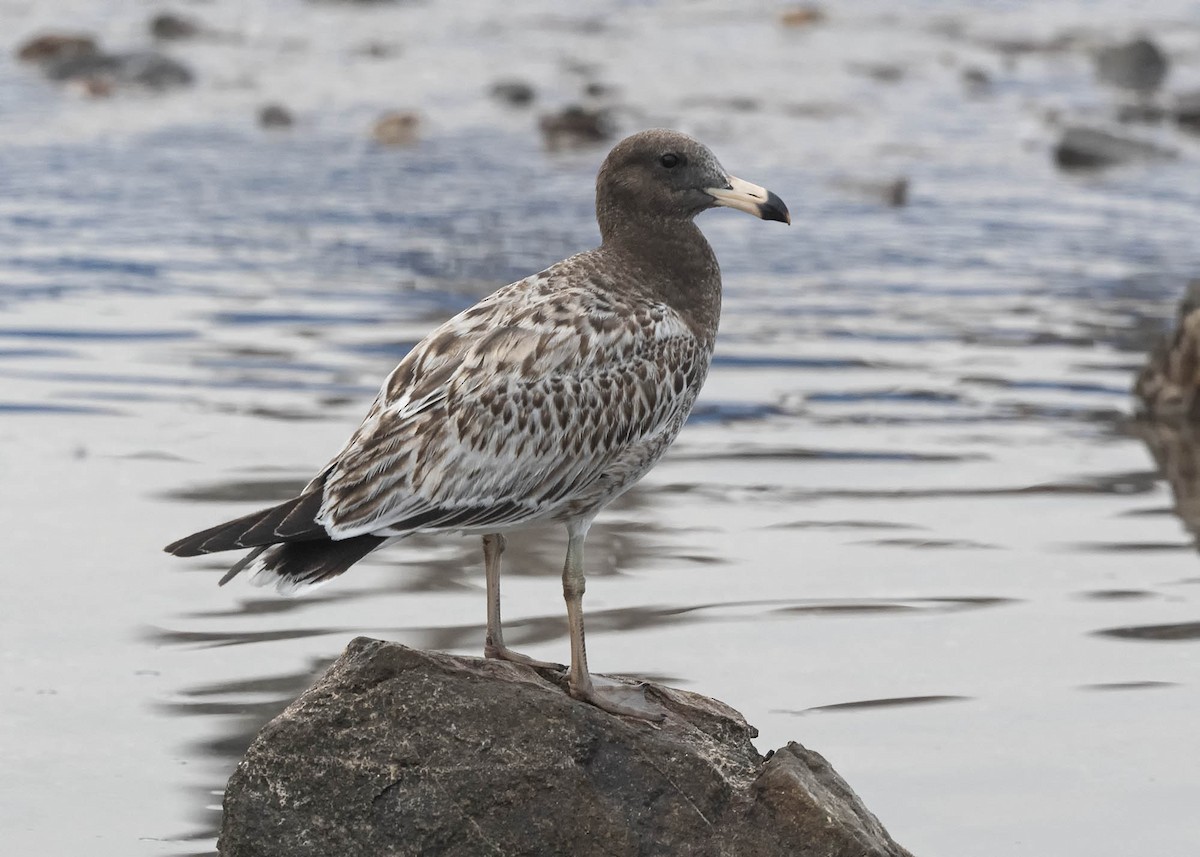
<point x="1177" y="632"/>
<point x="207" y="639"/>
<point x="1118" y="594"/>
<point x="891" y="702"/>
<point x="1122" y="484"/>
<point x="955" y="544"/>
<point x="242" y="708"/>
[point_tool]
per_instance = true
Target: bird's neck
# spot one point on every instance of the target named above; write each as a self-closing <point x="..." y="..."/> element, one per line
<point x="674" y="264"/>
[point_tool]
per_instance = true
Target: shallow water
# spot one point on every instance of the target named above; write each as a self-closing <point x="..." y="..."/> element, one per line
<point x="909" y="524"/>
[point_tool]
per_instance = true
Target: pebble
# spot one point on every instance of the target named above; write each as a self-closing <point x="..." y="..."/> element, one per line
<point x="275" y="116"/>
<point x="52" y="47"/>
<point x="517" y="93"/>
<point x="397" y="128"/>
<point x="802" y="16"/>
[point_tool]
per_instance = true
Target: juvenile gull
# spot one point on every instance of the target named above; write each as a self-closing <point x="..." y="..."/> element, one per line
<point x="543" y="402"/>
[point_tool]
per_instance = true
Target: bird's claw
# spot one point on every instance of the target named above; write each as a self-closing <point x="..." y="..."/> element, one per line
<point x="504" y="653"/>
<point x="623" y="699"/>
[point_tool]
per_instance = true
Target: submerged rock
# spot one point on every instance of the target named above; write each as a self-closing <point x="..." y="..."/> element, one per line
<point x="146" y="69"/>
<point x="1167" y="387"/>
<point x="402" y="752"/>
<point x="1090" y="148"/>
<point x="1139" y="65"/>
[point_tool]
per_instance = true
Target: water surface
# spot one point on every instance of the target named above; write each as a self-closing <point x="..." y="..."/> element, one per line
<point x="909" y="525"/>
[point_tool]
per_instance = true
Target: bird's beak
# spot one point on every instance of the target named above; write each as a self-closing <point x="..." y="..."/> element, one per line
<point x="751" y="199"/>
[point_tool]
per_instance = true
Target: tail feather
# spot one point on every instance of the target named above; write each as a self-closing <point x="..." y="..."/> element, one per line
<point x="293" y="520"/>
<point x="296" y="566"/>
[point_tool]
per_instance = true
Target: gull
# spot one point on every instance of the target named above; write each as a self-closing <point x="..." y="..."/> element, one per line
<point x="545" y="401"/>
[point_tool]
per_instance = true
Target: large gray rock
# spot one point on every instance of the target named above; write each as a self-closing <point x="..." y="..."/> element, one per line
<point x="403" y="752"/>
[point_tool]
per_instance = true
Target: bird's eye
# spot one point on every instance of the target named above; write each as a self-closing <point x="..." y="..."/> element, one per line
<point x="670" y="160"/>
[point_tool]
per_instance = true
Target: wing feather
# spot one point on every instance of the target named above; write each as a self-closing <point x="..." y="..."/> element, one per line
<point x="515" y="408"/>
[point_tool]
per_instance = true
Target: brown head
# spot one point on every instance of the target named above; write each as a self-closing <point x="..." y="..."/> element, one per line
<point x="657" y="177"/>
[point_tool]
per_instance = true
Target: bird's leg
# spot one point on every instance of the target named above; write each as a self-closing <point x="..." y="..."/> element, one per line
<point x="493" y="644"/>
<point x="616" y="699"/>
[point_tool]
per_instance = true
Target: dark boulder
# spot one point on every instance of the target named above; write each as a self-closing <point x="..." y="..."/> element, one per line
<point x="1138" y="65"/>
<point x="1090" y="148"/>
<point x="403" y="752"/>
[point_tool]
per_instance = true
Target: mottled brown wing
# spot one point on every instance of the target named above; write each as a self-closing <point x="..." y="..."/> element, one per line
<point x="514" y="408"/>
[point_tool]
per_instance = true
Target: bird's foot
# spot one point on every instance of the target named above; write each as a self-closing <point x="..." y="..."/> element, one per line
<point x="628" y="700"/>
<point x="504" y="653"/>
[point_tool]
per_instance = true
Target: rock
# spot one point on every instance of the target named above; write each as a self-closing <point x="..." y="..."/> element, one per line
<point x="574" y="127"/>
<point x="1138" y="65"/>
<point x="596" y="89"/>
<point x="882" y="72"/>
<point x="801" y="16"/>
<point x="92" y="87"/>
<point x="1186" y="111"/>
<point x="402" y="752"/>
<point x="275" y="116"/>
<point x="976" y="81"/>
<point x="724" y="103"/>
<point x="53" y="47"/>
<point x="518" y="93"/>
<point x="378" y="50"/>
<point x="892" y="192"/>
<point x="1089" y="148"/>
<point x="398" y="128"/>
<point x="171" y="27"/>
<point x="1167" y="386"/>
<point x="146" y="69"/>
<point x="1141" y="111"/>
<point x="1175" y="448"/>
